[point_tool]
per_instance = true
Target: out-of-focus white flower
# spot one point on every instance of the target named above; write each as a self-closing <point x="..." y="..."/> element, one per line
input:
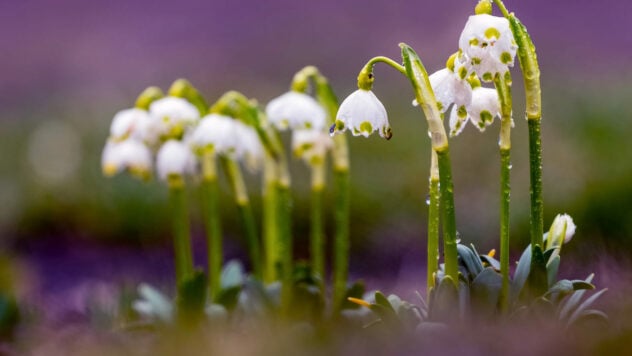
<point x="296" y="110"/>
<point x="131" y="155"/>
<point x="174" y="160"/>
<point x="311" y="145"/>
<point x="488" y="45"/>
<point x="227" y="136"/>
<point x="362" y="113"/>
<point x="482" y="110"/>
<point x="215" y="132"/>
<point x="130" y="123"/>
<point x="251" y="150"/>
<point x="562" y="227"/>
<point x="171" y="116"/>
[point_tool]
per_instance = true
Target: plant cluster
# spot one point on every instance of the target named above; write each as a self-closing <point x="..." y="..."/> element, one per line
<point x="184" y="141"/>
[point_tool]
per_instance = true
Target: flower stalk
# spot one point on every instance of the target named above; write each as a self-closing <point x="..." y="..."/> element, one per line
<point x="235" y="176"/>
<point x="533" y="94"/>
<point x="181" y="233"/>
<point x="424" y="94"/>
<point x="210" y="202"/>
<point x="433" y="223"/>
<point x="317" y="233"/>
<point x="342" y="181"/>
<point x="503" y="87"/>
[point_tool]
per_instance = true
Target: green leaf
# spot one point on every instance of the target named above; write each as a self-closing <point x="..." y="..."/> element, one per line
<point x="521" y="274"/>
<point x="566" y="308"/>
<point x="232" y="275"/>
<point x="564" y="286"/>
<point x="228" y="297"/>
<point x="537" y="280"/>
<point x="591" y="314"/>
<point x="443" y="300"/>
<point x="582" y="307"/>
<point x="485" y="291"/>
<point x="192" y="297"/>
<point x="578" y="284"/>
<point x="470" y="260"/>
<point x="551" y="269"/>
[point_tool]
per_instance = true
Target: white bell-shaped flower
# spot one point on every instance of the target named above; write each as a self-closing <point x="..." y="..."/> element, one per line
<point x="215" y="132"/>
<point x="172" y="116"/>
<point x="129" y="123"/>
<point x="482" y="110"/>
<point x="362" y="113"/>
<point x="488" y="45"/>
<point x="251" y="149"/>
<point x="450" y="89"/>
<point x="128" y="155"/>
<point x="296" y="110"/>
<point x="311" y="145"/>
<point x="174" y="160"/>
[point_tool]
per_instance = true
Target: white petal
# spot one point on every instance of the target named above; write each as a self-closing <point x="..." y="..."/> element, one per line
<point x="310" y="144"/>
<point x="296" y="111"/>
<point x="363" y="113"/>
<point x="127" y="123"/>
<point x="484" y="108"/>
<point x="216" y="131"/>
<point x="488" y="45"/>
<point x="171" y="116"/>
<point x="250" y="148"/>
<point x="174" y="158"/>
<point x="129" y="154"/>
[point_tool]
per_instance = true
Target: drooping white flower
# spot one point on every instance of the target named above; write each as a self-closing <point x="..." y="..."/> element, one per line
<point x="488" y="45"/>
<point x="131" y="155"/>
<point x="296" y="110"/>
<point x="129" y="123"/>
<point x="481" y="112"/>
<point x="251" y="150"/>
<point x="174" y="159"/>
<point x="171" y="116"/>
<point x="362" y="113"/>
<point x="311" y="145"/>
<point x="216" y="132"/>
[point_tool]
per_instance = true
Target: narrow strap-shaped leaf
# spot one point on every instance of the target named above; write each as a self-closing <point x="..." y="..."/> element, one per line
<point x="582" y="307"/>
<point x="574" y="299"/>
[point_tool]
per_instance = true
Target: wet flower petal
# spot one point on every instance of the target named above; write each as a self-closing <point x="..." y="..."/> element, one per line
<point x="362" y="113"/>
<point x="296" y="110"/>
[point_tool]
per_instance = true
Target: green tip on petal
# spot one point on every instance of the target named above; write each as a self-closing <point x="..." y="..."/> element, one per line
<point x="450" y="62"/>
<point x="148" y="96"/>
<point x="486" y="116"/>
<point x="492" y="32"/>
<point x="366" y="127"/>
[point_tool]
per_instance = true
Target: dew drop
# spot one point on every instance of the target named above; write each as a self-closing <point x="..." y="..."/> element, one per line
<point x="428" y="199"/>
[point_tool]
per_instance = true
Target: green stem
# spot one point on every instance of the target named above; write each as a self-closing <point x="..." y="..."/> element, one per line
<point x="285" y="246"/>
<point x="433" y="223"/>
<point x="531" y="75"/>
<point x="210" y="197"/>
<point x="424" y="94"/>
<point x="502" y="83"/>
<point x="271" y="232"/>
<point x="505" y="192"/>
<point x="317" y="238"/>
<point x="181" y="233"/>
<point x="535" y="162"/>
<point x="238" y="185"/>
<point x="341" y="239"/>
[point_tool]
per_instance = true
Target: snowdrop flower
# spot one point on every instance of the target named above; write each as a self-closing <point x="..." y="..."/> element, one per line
<point x="563" y="226"/>
<point x="171" y="116"/>
<point x="217" y="133"/>
<point x="131" y="155"/>
<point x="311" y="145"/>
<point x="174" y="160"/>
<point x="482" y="110"/>
<point x="363" y="113"/>
<point x="488" y="45"/>
<point x="251" y="149"/>
<point x="296" y="111"/>
<point x="129" y="123"/>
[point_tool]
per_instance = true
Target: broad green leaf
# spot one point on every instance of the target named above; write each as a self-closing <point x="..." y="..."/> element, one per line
<point x="485" y="291"/>
<point x="521" y="274"/>
<point x="551" y="269"/>
<point x="470" y="260"/>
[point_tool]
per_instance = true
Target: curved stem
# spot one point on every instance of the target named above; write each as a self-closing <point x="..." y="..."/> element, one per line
<point x="424" y="94"/>
<point x="433" y="224"/>
<point x="385" y="60"/>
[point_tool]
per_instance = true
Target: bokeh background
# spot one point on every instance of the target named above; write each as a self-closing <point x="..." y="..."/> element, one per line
<point x="67" y="66"/>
